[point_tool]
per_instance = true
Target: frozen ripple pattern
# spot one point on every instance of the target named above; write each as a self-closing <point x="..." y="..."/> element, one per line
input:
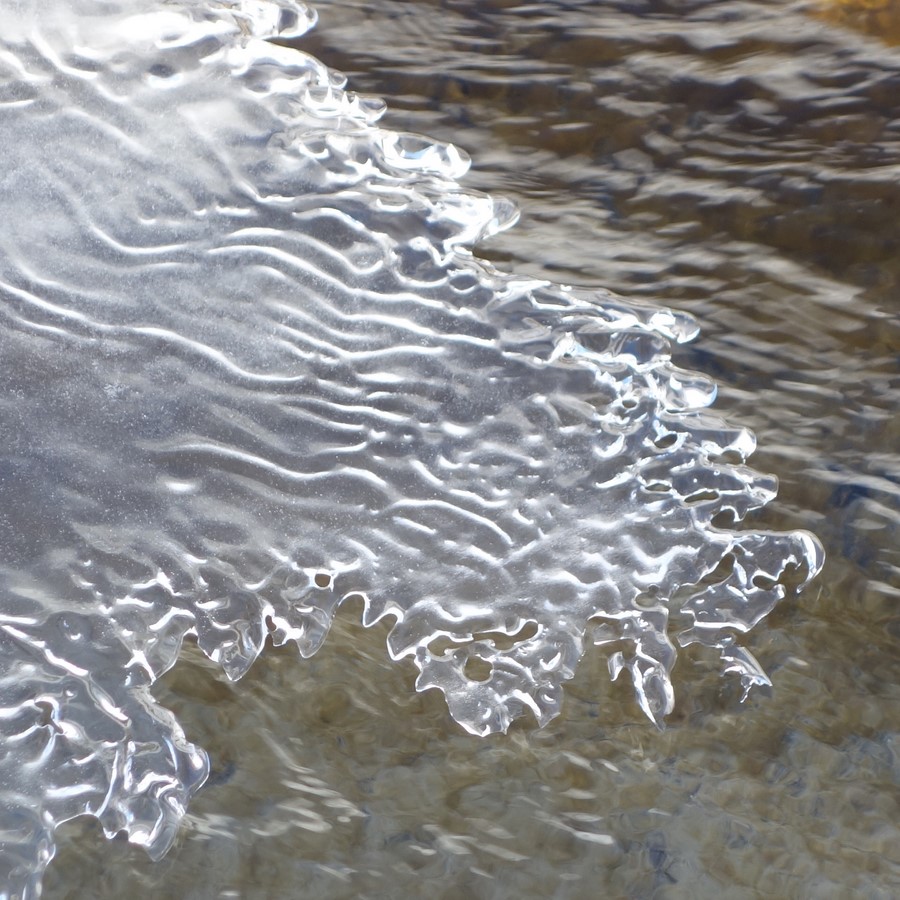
<point x="249" y="368"/>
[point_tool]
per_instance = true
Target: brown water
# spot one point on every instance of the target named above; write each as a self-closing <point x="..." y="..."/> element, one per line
<point x="737" y="160"/>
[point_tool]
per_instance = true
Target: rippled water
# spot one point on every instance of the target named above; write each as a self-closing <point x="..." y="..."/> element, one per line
<point x="737" y="161"/>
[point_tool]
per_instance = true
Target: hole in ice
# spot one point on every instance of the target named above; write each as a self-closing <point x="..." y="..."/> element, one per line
<point x="477" y="669"/>
<point x="324" y="579"/>
<point x="701" y="496"/>
<point x="648" y="600"/>
<point x="504" y="641"/>
<point x="47" y="720"/>
<point x="724" y="518"/>
<point x="764" y="582"/>
<point x="439" y="646"/>
<point x="720" y="573"/>
<point x="500" y="639"/>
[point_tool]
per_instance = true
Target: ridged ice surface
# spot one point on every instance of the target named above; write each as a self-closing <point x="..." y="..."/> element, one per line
<point x="250" y="368"/>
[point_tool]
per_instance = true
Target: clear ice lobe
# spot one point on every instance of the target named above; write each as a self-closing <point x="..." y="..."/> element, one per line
<point x="250" y="368"/>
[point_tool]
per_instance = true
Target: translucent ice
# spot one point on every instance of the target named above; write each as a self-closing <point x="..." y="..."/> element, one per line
<point x="249" y="368"/>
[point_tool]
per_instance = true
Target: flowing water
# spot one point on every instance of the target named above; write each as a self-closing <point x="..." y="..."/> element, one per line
<point x="182" y="464"/>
